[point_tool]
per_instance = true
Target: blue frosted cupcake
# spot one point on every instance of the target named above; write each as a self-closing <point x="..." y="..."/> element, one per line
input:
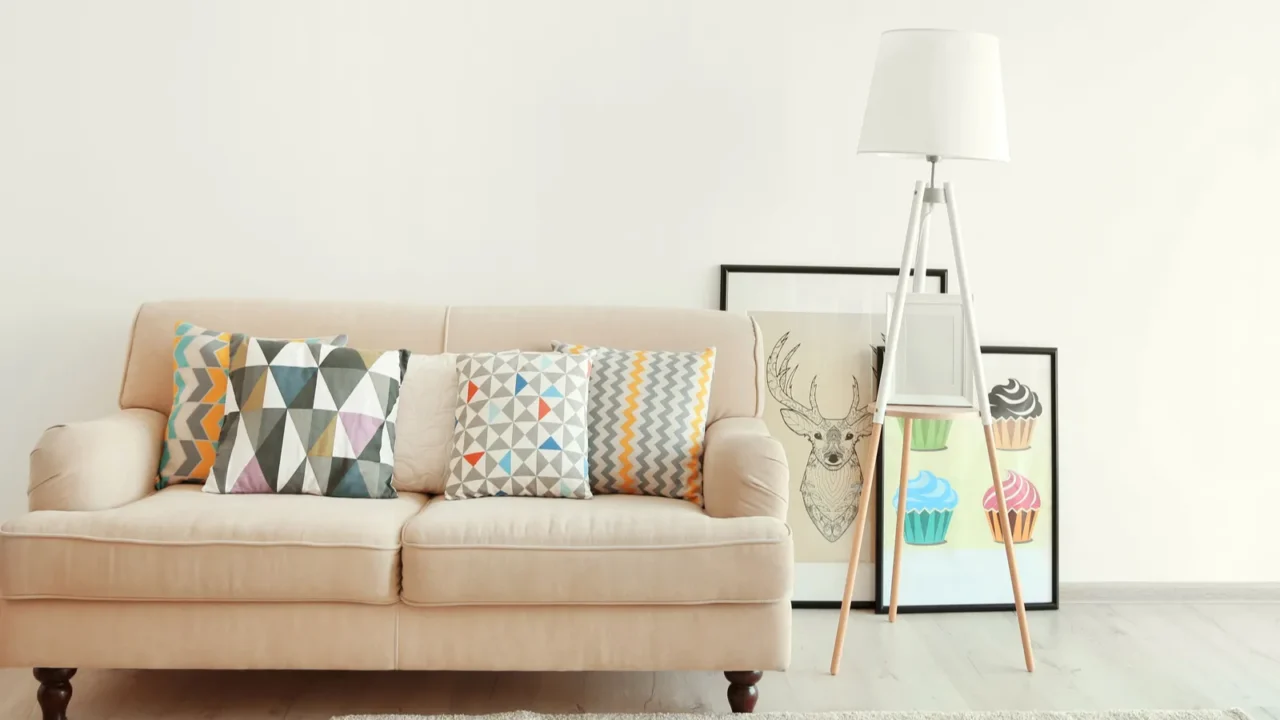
<point x="930" y="503"/>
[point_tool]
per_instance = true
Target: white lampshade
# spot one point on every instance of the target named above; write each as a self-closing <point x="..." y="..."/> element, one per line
<point x="936" y="92"/>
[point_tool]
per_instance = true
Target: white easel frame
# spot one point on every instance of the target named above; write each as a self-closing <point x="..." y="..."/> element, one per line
<point x="916" y="248"/>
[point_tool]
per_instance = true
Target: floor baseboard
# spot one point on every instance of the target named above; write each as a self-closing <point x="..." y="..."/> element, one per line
<point x="1127" y="592"/>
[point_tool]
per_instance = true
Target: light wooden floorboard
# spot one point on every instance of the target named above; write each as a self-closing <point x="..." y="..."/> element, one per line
<point x="1090" y="656"/>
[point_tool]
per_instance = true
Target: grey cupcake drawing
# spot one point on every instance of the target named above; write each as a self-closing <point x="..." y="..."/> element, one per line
<point x="1015" y="408"/>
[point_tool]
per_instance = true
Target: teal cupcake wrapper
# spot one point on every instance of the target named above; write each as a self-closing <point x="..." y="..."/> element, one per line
<point x="928" y="435"/>
<point x="926" y="527"/>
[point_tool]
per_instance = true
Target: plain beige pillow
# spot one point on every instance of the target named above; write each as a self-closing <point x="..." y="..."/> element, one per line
<point x="424" y="426"/>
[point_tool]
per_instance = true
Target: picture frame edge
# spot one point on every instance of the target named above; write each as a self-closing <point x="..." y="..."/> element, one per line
<point x="831" y="605"/>
<point x="874" y="271"/>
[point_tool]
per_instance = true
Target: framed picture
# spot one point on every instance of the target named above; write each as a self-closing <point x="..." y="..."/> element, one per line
<point x="953" y="553"/>
<point x="820" y="327"/>
<point x="934" y="367"/>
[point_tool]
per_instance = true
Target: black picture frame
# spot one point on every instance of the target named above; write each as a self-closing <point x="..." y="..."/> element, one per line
<point x="815" y="270"/>
<point x="882" y="599"/>
<point x="939" y="273"/>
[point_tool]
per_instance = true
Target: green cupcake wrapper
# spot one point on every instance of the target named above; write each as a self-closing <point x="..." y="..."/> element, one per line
<point x="928" y="435"/>
<point x="926" y="527"/>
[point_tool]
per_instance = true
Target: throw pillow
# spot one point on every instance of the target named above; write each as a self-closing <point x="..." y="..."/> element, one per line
<point x="200" y="360"/>
<point x="424" y="429"/>
<point x="521" y="426"/>
<point x="309" y="418"/>
<point x="647" y="418"/>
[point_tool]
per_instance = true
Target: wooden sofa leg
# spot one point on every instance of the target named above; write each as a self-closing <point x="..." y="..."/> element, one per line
<point x="743" y="692"/>
<point x="54" y="692"/>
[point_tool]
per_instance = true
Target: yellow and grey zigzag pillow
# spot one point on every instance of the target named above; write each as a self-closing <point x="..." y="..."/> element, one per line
<point x="200" y="361"/>
<point x="646" y="420"/>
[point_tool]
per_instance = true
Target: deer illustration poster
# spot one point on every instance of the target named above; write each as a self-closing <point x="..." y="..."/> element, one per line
<point x="820" y="399"/>
<point x="831" y="317"/>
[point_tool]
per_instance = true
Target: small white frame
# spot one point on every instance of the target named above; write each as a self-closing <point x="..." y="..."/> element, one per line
<point x="934" y="365"/>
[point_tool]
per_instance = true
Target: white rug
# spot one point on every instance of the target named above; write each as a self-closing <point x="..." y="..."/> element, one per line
<point x="851" y="715"/>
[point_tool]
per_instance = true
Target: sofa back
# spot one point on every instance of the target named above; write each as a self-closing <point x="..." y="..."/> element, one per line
<point x="736" y="387"/>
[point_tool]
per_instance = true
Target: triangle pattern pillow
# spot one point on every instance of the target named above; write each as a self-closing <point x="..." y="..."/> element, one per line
<point x="200" y="360"/>
<point x="520" y="427"/>
<point x="309" y="418"/>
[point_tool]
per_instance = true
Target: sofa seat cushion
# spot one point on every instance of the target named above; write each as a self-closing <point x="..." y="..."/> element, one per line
<point x="611" y="549"/>
<point x="184" y="544"/>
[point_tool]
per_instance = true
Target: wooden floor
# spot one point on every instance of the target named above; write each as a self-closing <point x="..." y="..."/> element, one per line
<point x="1090" y="657"/>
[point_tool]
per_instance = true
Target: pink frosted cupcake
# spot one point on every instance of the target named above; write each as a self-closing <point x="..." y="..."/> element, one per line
<point x="1023" y="502"/>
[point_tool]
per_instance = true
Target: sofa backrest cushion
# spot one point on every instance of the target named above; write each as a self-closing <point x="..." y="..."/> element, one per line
<point x="736" y="389"/>
<point x="148" y="376"/>
<point x="424" y="427"/>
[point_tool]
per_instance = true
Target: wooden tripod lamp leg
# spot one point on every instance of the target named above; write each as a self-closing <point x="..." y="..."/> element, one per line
<point x="1008" y="550"/>
<point x="902" y="517"/>
<point x="984" y="408"/>
<point x="860" y="529"/>
<point x="877" y="424"/>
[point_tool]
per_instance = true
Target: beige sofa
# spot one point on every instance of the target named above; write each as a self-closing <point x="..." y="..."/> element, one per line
<point x="106" y="572"/>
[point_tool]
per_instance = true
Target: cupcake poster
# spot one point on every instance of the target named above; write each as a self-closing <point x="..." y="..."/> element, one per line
<point x="953" y="553"/>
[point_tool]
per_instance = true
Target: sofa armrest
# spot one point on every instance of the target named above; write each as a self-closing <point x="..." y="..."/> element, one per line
<point x="98" y="464"/>
<point x="744" y="470"/>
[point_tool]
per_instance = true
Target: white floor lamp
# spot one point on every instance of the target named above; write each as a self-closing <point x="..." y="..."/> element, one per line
<point x="935" y="94"/>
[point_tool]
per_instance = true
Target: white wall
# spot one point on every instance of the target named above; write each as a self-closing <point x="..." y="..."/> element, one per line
<point x="617" y="151"/>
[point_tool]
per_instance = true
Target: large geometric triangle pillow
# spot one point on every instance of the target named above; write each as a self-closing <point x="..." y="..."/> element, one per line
<point x="520" y="426"/>
<point x="200" y="361"/>
<point x="647" y="419"/>
<point x="309" y="418"/>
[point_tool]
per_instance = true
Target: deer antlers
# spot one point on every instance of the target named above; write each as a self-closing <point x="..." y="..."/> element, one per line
<point x="857" y="414"/>
<point x="779" y="381"/>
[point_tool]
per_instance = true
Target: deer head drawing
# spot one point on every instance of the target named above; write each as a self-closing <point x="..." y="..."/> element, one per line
<point x="832" y="480"/>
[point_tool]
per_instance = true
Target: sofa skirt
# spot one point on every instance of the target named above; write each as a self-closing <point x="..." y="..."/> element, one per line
<point x="596" y="637"/>
<point x="349" y="636"/>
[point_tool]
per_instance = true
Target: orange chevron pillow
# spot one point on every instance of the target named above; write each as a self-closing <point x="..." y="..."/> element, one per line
<point x="200" y="361"/>
<point x="646" y="420"/>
